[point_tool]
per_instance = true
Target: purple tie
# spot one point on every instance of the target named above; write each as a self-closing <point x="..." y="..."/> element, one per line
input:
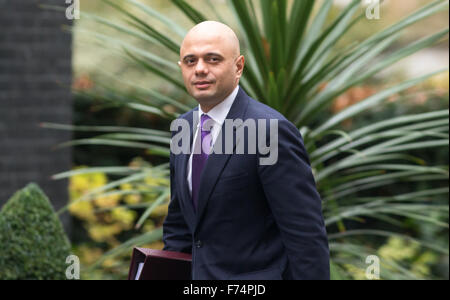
<point x="199" y="160"/>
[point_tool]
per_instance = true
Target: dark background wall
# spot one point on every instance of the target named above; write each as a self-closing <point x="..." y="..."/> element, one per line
<point x="35" y="78"/>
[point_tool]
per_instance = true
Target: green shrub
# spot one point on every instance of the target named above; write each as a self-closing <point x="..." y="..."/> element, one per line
<point x="33" y="244"/>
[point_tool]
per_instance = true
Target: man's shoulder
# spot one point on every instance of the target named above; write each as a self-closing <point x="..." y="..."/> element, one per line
<point x="259" y="110"/>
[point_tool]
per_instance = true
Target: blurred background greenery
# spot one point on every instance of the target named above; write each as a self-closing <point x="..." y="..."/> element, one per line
<point x="114" y="211"/>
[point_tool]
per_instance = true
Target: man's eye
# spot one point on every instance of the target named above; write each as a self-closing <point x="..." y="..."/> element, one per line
<point x="190" y="61"/>
<point x="214" y="59"/>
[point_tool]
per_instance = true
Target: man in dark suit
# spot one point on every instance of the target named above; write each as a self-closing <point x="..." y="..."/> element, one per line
<point x="240" y="218"/>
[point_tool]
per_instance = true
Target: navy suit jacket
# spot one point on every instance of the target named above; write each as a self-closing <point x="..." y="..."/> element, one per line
<point x="253" y="221"/>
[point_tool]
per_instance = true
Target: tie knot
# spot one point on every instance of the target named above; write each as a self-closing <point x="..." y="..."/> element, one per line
<point x="205" y="118"/>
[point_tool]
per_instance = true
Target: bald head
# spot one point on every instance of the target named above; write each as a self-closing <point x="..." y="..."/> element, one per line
<point x="214" y="31"/>
<point x="211" y="63"/>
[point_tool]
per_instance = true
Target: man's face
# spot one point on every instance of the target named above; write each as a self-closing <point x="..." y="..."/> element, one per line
<point x="210" y="66"/>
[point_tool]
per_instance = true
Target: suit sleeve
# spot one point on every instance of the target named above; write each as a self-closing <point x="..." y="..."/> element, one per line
<point x="292" y="196"/>
<point x="176" y="234"/>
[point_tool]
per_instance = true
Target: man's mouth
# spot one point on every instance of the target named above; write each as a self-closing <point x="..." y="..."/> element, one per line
<point x="203" y="84"/>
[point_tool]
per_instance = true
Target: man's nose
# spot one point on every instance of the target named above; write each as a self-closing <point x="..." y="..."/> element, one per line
<point x="201" y="67"/>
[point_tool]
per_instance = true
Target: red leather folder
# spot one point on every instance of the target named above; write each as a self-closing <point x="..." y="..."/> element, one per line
<point x="149" y="264"/>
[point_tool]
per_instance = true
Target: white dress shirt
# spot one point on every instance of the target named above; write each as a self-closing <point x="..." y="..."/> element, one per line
<point x="218" y="115"/>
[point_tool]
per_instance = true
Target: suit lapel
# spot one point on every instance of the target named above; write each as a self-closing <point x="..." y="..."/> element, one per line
<point x="217" y="162"/>
<point x="182" y="177"/>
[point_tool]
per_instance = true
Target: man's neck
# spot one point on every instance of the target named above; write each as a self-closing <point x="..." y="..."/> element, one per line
<point x="208" y="107"/>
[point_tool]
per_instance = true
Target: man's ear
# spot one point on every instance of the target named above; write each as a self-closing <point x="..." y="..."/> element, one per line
<point x="179" y="64"/>
<point x="240" y="63"/>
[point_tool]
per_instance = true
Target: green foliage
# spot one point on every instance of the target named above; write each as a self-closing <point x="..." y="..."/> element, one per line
<point x="33" y="244"/>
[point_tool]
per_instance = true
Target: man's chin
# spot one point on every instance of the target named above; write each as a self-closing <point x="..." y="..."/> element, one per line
<point x="204" y="95"/>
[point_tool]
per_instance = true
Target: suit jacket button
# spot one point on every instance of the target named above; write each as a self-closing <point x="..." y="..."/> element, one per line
<point x="198" y="244"/>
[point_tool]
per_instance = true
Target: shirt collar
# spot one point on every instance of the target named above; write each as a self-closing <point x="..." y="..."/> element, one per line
<point x="221" y="110"/>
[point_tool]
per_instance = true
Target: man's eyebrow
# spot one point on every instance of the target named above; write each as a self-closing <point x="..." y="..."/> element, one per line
<point x="188" y="56"/>
<point x="207" y="54"/>
<point x="213" y="54"/>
